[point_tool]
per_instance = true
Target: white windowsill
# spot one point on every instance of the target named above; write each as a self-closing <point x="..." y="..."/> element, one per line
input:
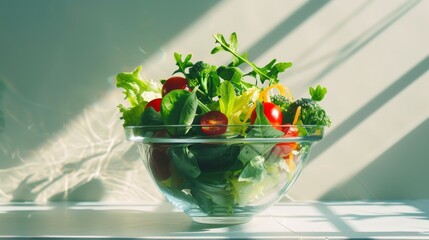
<point x="307" y="220"/>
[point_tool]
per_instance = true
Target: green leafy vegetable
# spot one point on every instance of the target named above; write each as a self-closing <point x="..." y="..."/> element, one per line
<point x="151" y="117"/>
<point x="318" y="94"/>
<point x="185" y="161"/>
<point x="138" y="92"/>
<point x="182" y="64"/>
<point x="215" y="157"/>
<point x="179" y="107"/>
<point x="133" y="115"/>
<point x="255" y="170"/>
<point x="232" y="74"/>
<point x="269" y="72"/>
<point x="227" y="98"/>
<point x="210" y="194"/>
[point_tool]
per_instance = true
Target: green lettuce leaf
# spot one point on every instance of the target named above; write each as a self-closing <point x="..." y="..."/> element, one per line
<point x="138" y="92"/>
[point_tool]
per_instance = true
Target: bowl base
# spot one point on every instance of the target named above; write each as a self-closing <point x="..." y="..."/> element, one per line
<point x="221" y="220"/>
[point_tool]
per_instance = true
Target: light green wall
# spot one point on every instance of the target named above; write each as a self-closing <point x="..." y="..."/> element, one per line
<point x="60" y="133"/>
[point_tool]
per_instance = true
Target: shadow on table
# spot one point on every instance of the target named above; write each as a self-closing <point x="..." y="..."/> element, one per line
<point x="378" y="219"/>
<point x="385" y="175"/>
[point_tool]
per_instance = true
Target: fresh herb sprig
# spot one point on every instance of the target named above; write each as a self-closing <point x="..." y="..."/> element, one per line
<point x="268" y="72"/>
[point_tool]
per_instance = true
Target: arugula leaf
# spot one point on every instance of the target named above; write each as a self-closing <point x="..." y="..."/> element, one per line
<point x="232" y="48"/>
<point x="269" y="72"/>
<point x="179" y="107"/>
<point x="183" y="65"/>
<point x="318" y="94"/>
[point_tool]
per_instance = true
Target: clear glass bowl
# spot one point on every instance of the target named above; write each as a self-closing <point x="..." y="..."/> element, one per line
<point x="227" y="178"/>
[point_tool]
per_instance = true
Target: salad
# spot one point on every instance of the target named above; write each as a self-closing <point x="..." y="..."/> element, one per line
<point x="201" y="100"/>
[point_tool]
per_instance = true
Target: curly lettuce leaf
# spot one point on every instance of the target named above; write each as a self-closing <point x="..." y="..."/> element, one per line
<point x="138" y="92"/>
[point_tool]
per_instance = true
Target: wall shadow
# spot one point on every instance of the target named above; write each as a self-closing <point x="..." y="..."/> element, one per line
<point x="287" y="26"/>
<point x="400" y="173"/>
<point x="59" y="57"/>
<point x="343" y="23"/>
<point x="378" y="101"/>
<point x="346" y="52"/>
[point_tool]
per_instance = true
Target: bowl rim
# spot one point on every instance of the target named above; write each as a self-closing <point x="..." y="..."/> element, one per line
<point x="216" y="125"/>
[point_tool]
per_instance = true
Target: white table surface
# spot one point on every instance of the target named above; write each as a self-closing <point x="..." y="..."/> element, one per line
<point x="303" y="220"/>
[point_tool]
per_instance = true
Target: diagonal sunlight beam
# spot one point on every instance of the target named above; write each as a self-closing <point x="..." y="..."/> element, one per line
<point x="342" y="23"/>
<point x="347" y="51"/>
<point x="371" y="130"/>
<point x="377" y="102"/>
<point x="286" y="27"/>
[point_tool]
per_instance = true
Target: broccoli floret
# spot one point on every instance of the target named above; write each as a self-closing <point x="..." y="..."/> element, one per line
<point x="311" y="113"/>
<point x="281" y="101"/>
<point x="204" y="75"/>
<point x="200" y="70"/>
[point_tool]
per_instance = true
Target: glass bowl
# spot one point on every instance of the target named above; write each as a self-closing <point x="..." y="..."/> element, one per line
<point x="226" y="178"/>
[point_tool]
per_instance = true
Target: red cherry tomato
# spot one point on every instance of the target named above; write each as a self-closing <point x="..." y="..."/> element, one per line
<point x="284" y="149"/>
<point x="173" y="83"/>
<point x="155" y="103"/>
<point x="290" y="131"/>
<point x="159" y="162"/>
<point x="272" y="112"/>
<point x="214" y="123"/>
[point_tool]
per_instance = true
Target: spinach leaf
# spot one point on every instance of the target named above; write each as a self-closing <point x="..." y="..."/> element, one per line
<point x="263" y="126"/>
<point x="179" y="107"/>
<point x="151" y="117"/>
<point x="233" y="74"/>
<point x="184" y="161"/>
<point x="215" y="157"/>
<point x="209" y="192"/>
